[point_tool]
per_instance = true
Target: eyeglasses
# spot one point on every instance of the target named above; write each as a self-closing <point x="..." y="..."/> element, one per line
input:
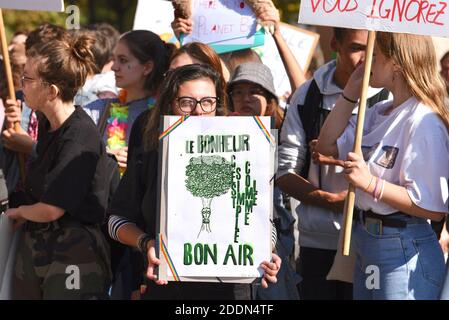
<point x="188" y="104"/>
<point x="25" y="78"/>
<point x="252" y="92"/>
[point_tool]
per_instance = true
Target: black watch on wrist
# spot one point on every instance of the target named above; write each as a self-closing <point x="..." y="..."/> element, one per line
<point x="143" y="242"/>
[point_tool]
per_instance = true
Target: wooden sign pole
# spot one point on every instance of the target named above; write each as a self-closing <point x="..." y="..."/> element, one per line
<point x="10" y="83"/>
<point x="350" y="199"/>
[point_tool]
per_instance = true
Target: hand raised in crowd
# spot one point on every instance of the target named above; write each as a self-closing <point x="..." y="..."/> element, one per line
<point x="354" y="85"/>
<point x="121" y="155"/>
<point x="271" y="270"/>
<point x="18" y="141"/>
<point x="321" y="159"/>
<point x="13" y="111"/>
<point x="356" y="171"/>
<point x="268" y="16"/>
<point x="153" y="263"/>
<point x="180" y="25"/>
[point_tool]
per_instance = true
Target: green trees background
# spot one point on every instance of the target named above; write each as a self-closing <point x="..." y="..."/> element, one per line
<point x="119" y="13"/>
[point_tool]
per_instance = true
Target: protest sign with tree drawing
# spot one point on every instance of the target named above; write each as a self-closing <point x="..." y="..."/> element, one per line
<point x="208" y="177"/>
<point x="227" y="162"/>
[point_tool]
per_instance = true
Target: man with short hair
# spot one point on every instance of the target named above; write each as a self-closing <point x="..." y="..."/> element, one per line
<point x="320" y="189"/>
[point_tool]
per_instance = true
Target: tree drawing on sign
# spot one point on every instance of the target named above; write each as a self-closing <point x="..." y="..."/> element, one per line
<point x="208" y="177"/>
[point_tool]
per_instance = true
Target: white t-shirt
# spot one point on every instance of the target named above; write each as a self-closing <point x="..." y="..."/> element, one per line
<point x="409" y="147"/>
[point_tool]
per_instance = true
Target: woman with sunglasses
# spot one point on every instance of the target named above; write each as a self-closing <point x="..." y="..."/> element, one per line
<point x="188" y="90"/>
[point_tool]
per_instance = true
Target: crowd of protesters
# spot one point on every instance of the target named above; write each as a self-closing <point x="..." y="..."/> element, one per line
<point x="89" y="104"/>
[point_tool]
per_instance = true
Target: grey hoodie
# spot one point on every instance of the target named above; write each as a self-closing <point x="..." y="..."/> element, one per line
<point x="318" y="227"/>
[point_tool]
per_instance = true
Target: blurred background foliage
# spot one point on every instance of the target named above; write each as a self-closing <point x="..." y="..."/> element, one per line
<point x="119" y="13"/>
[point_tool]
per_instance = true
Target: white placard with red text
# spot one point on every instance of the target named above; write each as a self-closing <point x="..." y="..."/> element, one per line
<point x="426" y="17"/>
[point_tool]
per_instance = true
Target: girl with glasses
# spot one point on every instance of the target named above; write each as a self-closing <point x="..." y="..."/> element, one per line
<point x="191" y="89"/>
<point x="65" y="186"/>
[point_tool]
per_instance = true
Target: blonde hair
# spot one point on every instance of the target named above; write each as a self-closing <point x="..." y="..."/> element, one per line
<point x="417" y="58"/>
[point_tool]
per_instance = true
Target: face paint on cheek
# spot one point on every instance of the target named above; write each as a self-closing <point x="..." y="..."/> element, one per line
<point x="129" y="66"/>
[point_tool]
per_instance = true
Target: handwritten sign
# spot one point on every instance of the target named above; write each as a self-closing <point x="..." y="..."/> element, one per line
<point x="216" y="205"/>
<point x="42" y="5"/>
<point x="155" y="16"/>
<point x="301" y="42"/>
<point x="219" y="20"/>
<point x="427" y="17"/>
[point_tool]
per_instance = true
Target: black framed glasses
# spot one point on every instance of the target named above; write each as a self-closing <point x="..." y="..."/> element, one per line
<point x="188" y="104"/>
<point x="23" y="79"/>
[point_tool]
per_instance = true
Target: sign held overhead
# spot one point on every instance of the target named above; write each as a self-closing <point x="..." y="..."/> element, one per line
<point x="41" y="5"/>
<point x="425" y="17"/>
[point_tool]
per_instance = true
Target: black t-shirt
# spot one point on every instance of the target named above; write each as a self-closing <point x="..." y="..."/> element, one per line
<point x="135" y="198"/>
<point x="69" y="171"/>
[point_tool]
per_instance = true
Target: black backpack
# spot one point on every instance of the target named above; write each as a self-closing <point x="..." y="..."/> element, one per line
<point x="313" y="115"/>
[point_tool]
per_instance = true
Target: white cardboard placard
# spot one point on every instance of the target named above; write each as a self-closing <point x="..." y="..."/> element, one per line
<point x="425" y="17"/>
<point x="155" y="16"/>
<point x="218" y="20"/>
<point x="216" y="199"/>
<point x="41" y="5"/>
<point x="301" y="42"/>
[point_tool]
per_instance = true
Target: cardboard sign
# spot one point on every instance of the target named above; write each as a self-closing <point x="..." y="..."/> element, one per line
<point x="426" y="17"/>
<point x="155" y="16"/>
<point x="226" y="25"/>
<point x="301" y="42"/>
<point x="216" y="200"/>
<point x="41" y="5"/>
<point x="6" y="255"/>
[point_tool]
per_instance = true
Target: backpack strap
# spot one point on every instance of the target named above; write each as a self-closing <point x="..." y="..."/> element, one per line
<point x="312" y="117"/>
<point x="101" y="125"/>
<point x="380" y="96"/>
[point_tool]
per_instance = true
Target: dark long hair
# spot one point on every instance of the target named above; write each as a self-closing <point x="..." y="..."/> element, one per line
<point x="148" y="46"/>
<point x="169" y="92"/>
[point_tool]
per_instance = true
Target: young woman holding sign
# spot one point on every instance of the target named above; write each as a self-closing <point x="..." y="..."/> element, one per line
<point x="401" y="179"/>
<point x="133" y="209"/>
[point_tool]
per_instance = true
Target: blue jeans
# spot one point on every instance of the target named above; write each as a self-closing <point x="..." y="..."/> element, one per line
<point x="401" y="264"/>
